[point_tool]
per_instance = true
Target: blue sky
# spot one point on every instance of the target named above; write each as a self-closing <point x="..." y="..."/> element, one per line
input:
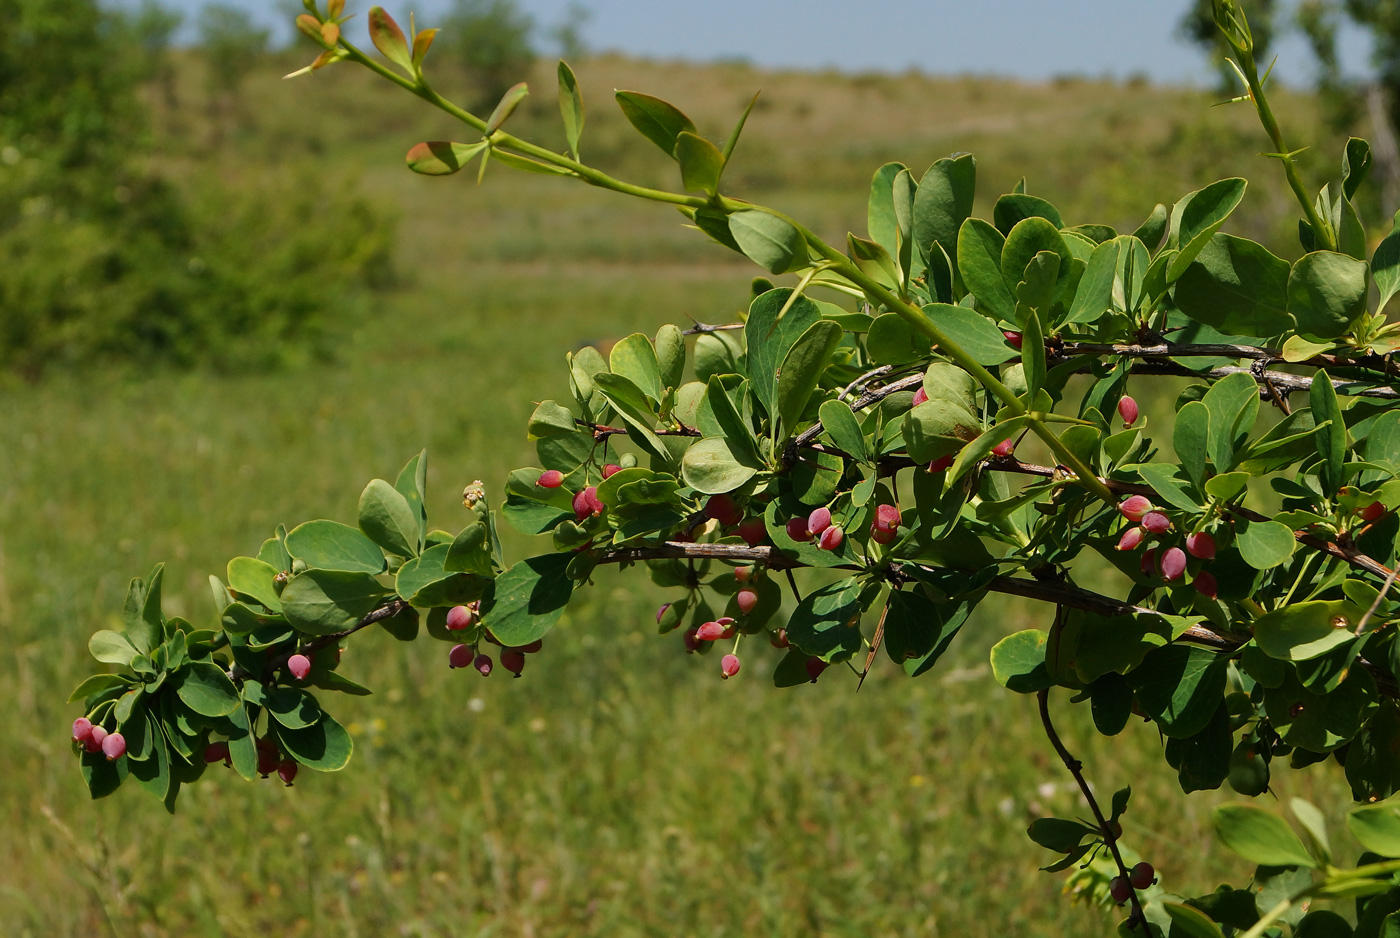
<point x="1033" y="39"/>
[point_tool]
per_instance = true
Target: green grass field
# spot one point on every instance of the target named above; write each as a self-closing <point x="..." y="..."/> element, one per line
<point x="619" y="788"/>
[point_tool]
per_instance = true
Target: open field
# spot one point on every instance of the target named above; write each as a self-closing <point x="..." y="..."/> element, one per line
<point x="619" y="788"/>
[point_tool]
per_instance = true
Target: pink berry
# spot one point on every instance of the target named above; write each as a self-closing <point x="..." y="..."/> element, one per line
<point x="726" y="623"/>
<point x="1119" y="889"/>
<point x="819" y="520"/>
<point x="746" y="601"/>
<point x="513" y="661"/>
<point x="778" y="638"/>
<point x="1134" y="507"/>
<point x="831" y="538"/>
<point x="93" y="743"/>
<point x="1200" y="545"/>
<point x="1142" y="875"/>
<point x="1173" y="564"/>
<point x="1149" y="561"/>
<point x="460" y="656"/>
<point x="82" y="729"/>
<point x="1015" y="338"/>
<point x="753" y="531"/>
<point x="1004" y="449"/>
<point x="692" y="640"/>
<point x="920" y="397"/>
<point x="610" y="470"/>
<point x="723" y="509"/>
<point x="710" y="632"/>
<point x="815" y="667"/>
<point x="1128" y="410"/>
<point x="286" y="771"/>
<point x="941" y="463"/>
<point x="1156" y="522"/>
<point x="114" y="747"/>
<point x="797" y="529"/>
<point x="1205" y="584"/>
<point x="1373" y="512"/>
<point x="1131" y="539"/>
<point x="661" y="612"/>
<point x="300" y="666"/>
<point x="216" y="752"/>
<point x="729" y="666"/>
<point x="551" y="479"/>
<point x="482" y="663"/>
<point x="459" y="618"/>
<point x="743" y="574"/>
<point x="586" y="504"/>
<point x="882" y="535"/>
<point x="887" y="516"/>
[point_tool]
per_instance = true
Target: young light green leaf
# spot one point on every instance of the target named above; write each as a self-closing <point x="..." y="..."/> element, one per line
<point x="1190" y="436"/>
<point x="880" y="221"/>
<point x="733" y="140"/>
<point x="1015" y="207"/>
<point x="635" y="359"/>
<point x="1302" y="631"/>
<point x="506" y="107"/>
<point x="1233" y="402"/>
<point x="1264" y="544"/>
<point x="1018" y="662"/>
<point x="657" y="120"/>
<point x="973" y="332"/>
<point x="570" y="106"/>
<point x="701" y="163"/>
<point x="1153" y="227"/>
<point x="256" y="580"/>
<point x="1377" y="826"/>
<point x="1095" y="294"/>
<point x="710" y="466"/>
<point x="1331" y="439"/>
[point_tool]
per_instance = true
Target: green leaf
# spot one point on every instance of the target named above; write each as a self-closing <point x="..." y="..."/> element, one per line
<point x="570" y="106"/>
<point x="1094" y="296"/>
<point x="389" y="39"/>
<point x="893" y="341"/>
<point x="470" y="551"/>
<point x="1164" y="481"/>
<point x="330" y="545"/>
<point x="425" y="581"/>
<point x="1306" y="630"/>
<point x="1180" y="687"/>
<point x="1233" y="402"/>
<point x="1015" y="207"/>
<point x="939" y="427"/>
<point x="979" y="261"/>
<point x="1327" y="293"/>
<point x="710" y="466"/>
<point x="802" y="368"/>
<point x="325" y="747"/>
<point x="1264" y="544"/>
<point x="103" y="777"/>
<point x="1153" y="227"/>
<point x="658" y="121"/>
<point x="974" y="332"/>
<point x="826" y="623"/>
<point x="1058" y="834"/>
<point x="1236" y="287"/>
<point x="388" y="519"/>
<point x="550" y="418"/>
<point x="701" y="163"/>
<point x="412" y="484"/>
<point x="98" y="683"/>
<point x="1331" y="439"/>
<point x="771" y="242"/>
<point x="1385" y="264"/>
<point x="1189" y="438"/>
<point x="1018" y="662"/>
<point x="1377" y="826"/>
<point x="289" y="706"/>
<point x="506" y="107"/>
<point x="635" y="359"/>
<point x="442" y="157"/>
<point x="769" y="338"/>
<point x="206" y="689"/>
<point x="881" y="221"/>
<point x="918" y="630"/>
<point x="942" y="203"/>
<point x="1190" y="922"/>
<point x="717" y="415"/>
<point x="1321" y="722"/>
<point x="531" y="508"/>
<point x="670" y="355"/>
<point x="111" y="647"/>
<point x="145" y="628"/>
<point x="1260" y="836"/>
<point x="1197" y="217"/>
<point x="1026" y="240"/>
<point x="733" y="140"/>
<point x="635" y="409"/>
<point x="1314" y="825"/>
<point x="256" y="580"/>
<point x="980" y="448"/>
<point x="843" y="428"/>
<point x="527" y="599"/>
<point x="872" y="258"/>
<point x="320" y="602"/>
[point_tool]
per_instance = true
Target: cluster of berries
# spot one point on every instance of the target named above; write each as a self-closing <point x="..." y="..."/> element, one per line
<point x="97" y="739"/>
<point x="586" y="503"/>
<point x="460" y="618"/>
<point x="818" y="524"/>
<point x="1170" y="563"/>
<point x="1139" y="877"/>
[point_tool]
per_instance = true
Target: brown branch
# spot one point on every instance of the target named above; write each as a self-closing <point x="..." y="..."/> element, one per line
<point x="1382" y="364"/>
<point x="1280" y="380"/>
<point x="602" y="432"/>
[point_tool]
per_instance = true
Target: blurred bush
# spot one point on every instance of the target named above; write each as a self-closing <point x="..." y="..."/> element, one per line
<point x="102" y="258"/>
<point x="492" y="42"/>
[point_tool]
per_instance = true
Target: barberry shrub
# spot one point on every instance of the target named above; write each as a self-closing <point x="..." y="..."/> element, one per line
<point x="864" y="422"/>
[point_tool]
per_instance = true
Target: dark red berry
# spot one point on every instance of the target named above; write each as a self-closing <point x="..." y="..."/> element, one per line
<point x="1149" y="561"/>
<point x="941" y="463"/>
<point x="1004" y="449"/>
<point x="1142" y="875"/>
<point x="832" y="538"/>
<point x="1119" y="889"/>
<point x="723" y="509"/>
<point x="692" y="640"/>
<point x="286" y="771"/>
<point x="1373" y="512"/>
<point x="1014" y="338"/>
<point x="778" y="638"/>
<point x="1205" y="584"/>
<point x="93" y="743"/>
<point x="551" y="479"/>
<point x="753" y="531"/>
<point x="1173" y="564"/>
<point x="217" y="752"/>
<point x="267" y="758"/>
<point x="460" y="656"/>
<point x="1128" y="410"/>
<point x="815" y="667"/>
<point x="743" y="574"/>
<point x="887" y="516"/>
<point x="882" y="535"/>
<point x="513" y="661"/>
<point x="482" y="663"/>
<point x="1200" y="545"/>
<point x="531" y="648"/>
<point x="797" y="529"/>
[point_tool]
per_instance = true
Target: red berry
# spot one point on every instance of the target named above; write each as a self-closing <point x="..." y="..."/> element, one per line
<point x="114" y="747"/>
<point x="729" y="666"/>
<point x="831" y="538"/>
<point x="1205" y="584"/>
<point x="93" y="743"/>
<point x="1373" y="512"/>
<point x="1015" y="338"/>
<point x="746" y="601"/>
<point x="1004" y="449"/>
<point x="82" y="729"/>
<point x="797" y="529"/>
<point x="286" y="771"/>
<point x="482" y="663"/>
<point x="778" y="638"/>
<point x="819" y="520"/>
<point x="1142" y="875"/>
<point x="216" y="752"/>
<point x="460" y="656"/>
<point x="815" y="667"/>
<point x="1120" y="890"/>
<point x="1156" y="522"/>
<point x="300" y="666"/>
<point x="726" y="623"/>
<point x="743" y="574"/>
<point x="882" y="535"/>
<point x="610" y="469"/>
<point x="887" y="516"/>
<point x="1200" y="545"/>
<point x="1128" y="410"/>
<point x="941" y="463"/>
<point x="531" y="648"/>
<point x="1173" y="564"/>
<point x="753" y="531"/>
<point x="1134" y="507"/>
<point x="551" y="479"/>
<point x="710" y="632"/>
<point x="920" y="397"/>
<point x="459" y="618"/>
<point x="267" y="758"/>
<point x="692" y="640"/>
<point x="723" y="509"/>
<point x="513" y="661"/>
<point x="1149" y="561"/>
<point x="1131" y="539"/>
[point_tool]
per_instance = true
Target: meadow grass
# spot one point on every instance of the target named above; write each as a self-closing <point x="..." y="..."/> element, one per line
<point x="618" y="788"/>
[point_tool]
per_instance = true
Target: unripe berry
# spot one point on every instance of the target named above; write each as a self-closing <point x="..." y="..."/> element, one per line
<point x="82" y="729"/>
<point x="610" y="469"/>
<point x="1015" y="338"/>
<point x="459" y="618"/>
<point x="831" y="538"/>
<point x="710" y="632"/>
<point x="1131" y="539"/>
<point x="551" y="479"/>
<point x="1119" y="889"/>
<point x="482" y="663"/>
<point x="882" y="535"/>
<point x="746" y="601"/>
<point x="114" y="747"/>
<point x="692" y="641"/>
<point x="920" y="397"/>
<point x="941" y="463"/>
<point x="1156" y="522"/>
<point x="729" y="666"/>
<point x="723" y="509"/>
<point x="300" y="666"/>
<point x="1205" y="584"/>
<point x="887" y="516"/>
<point x="797" y="529"/>
<point x="1004" y="449"/>
<point x="753" y="531"/>
<point x="1200" y="545"/>
<point x="513" y="661"/>
<point x="815" y="667"/>
<point x="819" y="520"/>
<point x="1173" y="564"/>
<point x="1134" y="507"/>
<point x="93" y="743"/>
<point x="1373" y="512"/>
<point x="460" y="656"/>
<point x="216" y="752"/>
<point x="286" y="771"/>
<point x="1128" y="410"/>
<point x="1142" y="875"/>
<point x="778" y="638"/>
